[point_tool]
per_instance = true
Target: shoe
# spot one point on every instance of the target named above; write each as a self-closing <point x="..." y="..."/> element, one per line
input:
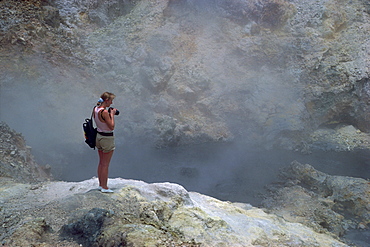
<point x="99" y="188"/>
<point x="106" y="190"/>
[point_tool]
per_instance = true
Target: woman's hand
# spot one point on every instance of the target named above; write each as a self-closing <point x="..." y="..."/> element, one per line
<point x="112" y="111"/>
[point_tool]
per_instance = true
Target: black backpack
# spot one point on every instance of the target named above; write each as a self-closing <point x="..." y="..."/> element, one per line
<point x="90" y="131"/>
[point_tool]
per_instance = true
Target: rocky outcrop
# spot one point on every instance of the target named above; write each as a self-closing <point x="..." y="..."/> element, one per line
<point x="16" y="160"/>
<point x="341" y="138"/>
<point x="140" y="214"/>
<point x="321" y="201"/>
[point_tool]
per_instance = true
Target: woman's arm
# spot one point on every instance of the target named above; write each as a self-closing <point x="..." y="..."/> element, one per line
<point x="109" y="118"/>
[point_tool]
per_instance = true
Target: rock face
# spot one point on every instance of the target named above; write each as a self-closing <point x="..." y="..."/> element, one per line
<point x="140" y="214"/>
<point x="321" y="201"/>
<point x="268" y="72"/>
<point x="16" y="160"/>
<point x="341" y="138"/>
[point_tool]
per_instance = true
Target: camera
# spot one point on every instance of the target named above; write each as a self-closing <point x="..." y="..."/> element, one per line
<point x="117" y="111"/>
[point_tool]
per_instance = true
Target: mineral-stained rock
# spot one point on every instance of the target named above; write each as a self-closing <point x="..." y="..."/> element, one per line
<point x="86" y="229"/>
<point x="340" y="138"/>
<point x="30" y="231"/>
<point x="353" y="194"/>
<point x="320" y="200"/>
<point x="296" y="204"/>
<point x="139" y="214"/>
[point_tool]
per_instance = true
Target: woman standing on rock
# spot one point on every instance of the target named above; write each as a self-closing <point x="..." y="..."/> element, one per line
<point x="104" y="120"/>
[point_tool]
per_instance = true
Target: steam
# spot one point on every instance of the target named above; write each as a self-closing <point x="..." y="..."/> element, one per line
<point x="45" y="110"/>
<point x="194" y="64"/>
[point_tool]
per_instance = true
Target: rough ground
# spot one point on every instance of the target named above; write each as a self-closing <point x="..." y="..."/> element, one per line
<point x="139" y="214"/>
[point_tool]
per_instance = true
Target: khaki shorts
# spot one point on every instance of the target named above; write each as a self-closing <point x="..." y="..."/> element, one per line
<point x="105" y="143"/>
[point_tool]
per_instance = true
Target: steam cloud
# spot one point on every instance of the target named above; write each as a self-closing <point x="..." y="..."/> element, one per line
<point x="48" y="104"/>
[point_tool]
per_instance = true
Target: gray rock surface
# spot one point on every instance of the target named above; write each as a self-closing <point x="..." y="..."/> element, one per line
<point x="86" y="230"/>
<point x="268" y="72"/>
<point x="16" y="160"/>
<point x="321" y="201"/>
<point x="140" y="214"/>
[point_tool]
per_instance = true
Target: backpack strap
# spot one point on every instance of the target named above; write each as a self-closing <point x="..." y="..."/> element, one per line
<point x="93" y="113"/>
<point x="101" y="114"/>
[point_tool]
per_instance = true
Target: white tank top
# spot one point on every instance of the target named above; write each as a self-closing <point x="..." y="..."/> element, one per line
<point x="101" y="126"/>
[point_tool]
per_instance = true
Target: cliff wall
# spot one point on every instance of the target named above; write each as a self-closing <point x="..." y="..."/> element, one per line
<point x="268" y="72"/>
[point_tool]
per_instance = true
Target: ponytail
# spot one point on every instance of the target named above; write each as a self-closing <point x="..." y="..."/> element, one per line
<point x="100" y="101"/>
<point x="105" y="96"/>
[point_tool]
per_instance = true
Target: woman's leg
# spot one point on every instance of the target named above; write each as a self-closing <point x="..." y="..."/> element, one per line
<point x="99" y="166"/>
<point x="104" y="160"/>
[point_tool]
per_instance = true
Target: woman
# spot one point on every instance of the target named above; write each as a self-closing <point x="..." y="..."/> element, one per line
<point x="104" y="120"/>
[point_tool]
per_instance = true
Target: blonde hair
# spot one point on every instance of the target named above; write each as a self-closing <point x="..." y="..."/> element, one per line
<point x="106" y="96"/>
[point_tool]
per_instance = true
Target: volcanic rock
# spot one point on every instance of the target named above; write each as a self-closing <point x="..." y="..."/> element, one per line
<point x="140" y="214"/>
<point x="319" y="200"/>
